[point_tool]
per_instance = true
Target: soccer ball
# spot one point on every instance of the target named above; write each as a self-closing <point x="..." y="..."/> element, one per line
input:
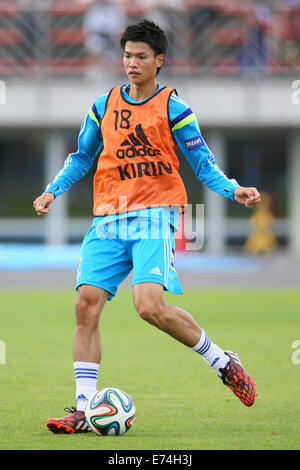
<point x="110" y="412"/>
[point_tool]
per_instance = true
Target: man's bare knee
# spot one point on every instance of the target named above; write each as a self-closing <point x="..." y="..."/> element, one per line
<point x="88" y="307"/>
<point x="154" y="312"/>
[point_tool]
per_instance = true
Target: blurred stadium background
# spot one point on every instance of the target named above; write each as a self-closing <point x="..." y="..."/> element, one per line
<point x="237" y="63"/>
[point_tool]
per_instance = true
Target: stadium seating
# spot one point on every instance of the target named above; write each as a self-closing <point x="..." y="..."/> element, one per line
<point x="58" y="47"/>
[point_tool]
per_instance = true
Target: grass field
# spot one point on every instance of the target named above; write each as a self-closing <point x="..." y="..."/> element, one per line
<point x="181" y="404"/>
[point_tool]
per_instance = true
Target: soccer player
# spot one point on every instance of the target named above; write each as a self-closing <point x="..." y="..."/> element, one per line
<point x="134" y="130"/>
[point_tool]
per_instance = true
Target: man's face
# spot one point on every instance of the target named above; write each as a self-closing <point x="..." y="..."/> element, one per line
<point x="140" y="62"/>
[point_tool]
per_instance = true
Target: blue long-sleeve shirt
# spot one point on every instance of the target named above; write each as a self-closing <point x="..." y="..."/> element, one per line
<point x="185" y="130"/>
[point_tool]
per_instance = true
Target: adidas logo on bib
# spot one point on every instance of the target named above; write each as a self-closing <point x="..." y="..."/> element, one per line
<point x="155" y="270"/>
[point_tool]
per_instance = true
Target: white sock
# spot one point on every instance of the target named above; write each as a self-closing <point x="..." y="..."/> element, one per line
<point x="86" y="374"/>
<point x="211" y="353"/>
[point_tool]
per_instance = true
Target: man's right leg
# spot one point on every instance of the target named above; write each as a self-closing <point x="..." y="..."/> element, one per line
<point x="87" y="342"/>
<point x="88" y="308"/>
<point x="103" y="265"/>
<point x="87" y="357"/>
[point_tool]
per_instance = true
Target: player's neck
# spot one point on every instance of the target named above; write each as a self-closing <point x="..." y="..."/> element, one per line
<point x="143" y="91"/>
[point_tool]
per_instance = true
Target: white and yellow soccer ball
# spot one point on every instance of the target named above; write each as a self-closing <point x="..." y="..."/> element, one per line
<point x="110" y="412"/>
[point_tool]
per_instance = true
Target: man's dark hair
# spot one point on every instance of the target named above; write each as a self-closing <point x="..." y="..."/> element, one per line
<point x="146" y="31"/>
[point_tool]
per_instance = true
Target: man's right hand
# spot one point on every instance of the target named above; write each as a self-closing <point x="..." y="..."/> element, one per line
<point x="42" y="204"/>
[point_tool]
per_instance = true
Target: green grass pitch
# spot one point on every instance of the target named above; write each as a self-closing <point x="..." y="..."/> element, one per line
<point x="181" y="403"/>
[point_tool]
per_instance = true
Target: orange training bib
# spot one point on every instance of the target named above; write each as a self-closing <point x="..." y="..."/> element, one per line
<point x="138" y="167"/>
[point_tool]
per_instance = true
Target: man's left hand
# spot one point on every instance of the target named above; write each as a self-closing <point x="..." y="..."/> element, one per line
<point x="249" y="197"/>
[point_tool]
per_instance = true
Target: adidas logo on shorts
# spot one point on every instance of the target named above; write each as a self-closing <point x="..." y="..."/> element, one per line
<point x="155" y="270"/>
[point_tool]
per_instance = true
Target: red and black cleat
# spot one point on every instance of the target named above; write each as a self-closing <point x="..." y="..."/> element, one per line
<point x="73" y="422"/>
<point x="236" y="378"/>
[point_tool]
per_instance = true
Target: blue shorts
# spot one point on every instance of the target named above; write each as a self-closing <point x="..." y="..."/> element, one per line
<point x="111" y="250"/>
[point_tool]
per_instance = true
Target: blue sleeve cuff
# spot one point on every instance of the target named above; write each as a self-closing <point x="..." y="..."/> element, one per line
<point x="231" y="190"/>
<point x="53" y="189"/>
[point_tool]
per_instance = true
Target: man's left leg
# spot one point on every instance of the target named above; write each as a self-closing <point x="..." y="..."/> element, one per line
<point x="149" y="303"/>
